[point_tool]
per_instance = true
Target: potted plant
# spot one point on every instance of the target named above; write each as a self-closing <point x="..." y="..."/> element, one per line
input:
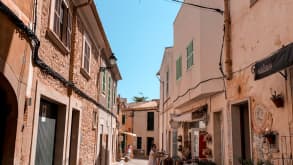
<point x="270" y="136"/>
<point x="207" y="138"/>
<point x="277" y="99"/>
<point x="207" y="152"/>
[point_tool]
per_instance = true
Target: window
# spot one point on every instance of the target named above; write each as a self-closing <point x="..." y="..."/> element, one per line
<point x="86" y="55"/>
<point x="109" y="93"/>
<point x="62" y="23"/>
<point x="150" y="121"/>
<point x="178" y="68"/>
<point x="123" y="119"/>
<point x="189" y="51"/>
<point x="167" y="83"/>
<point x="138" y="143"/>
<point x="114" y="93"/>
<point x="104" y="81"/>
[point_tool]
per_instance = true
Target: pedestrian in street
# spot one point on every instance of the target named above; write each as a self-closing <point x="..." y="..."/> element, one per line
<point x="153" y="155"/>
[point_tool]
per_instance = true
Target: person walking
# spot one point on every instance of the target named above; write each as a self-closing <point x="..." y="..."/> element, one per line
<point x="153" y="155"/>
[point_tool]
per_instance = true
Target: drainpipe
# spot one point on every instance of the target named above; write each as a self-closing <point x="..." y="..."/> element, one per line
<point x="227" y="21"/>
<point x="163" y="113"/>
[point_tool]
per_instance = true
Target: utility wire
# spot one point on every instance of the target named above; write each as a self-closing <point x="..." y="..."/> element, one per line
<point x="220" y="11"/>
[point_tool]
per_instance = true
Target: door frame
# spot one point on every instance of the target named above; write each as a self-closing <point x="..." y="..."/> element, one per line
<point x="43" y="91"/>
<point x="235" y="103"/>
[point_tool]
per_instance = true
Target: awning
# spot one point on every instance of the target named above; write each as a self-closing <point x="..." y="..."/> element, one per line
<point x="128" y="133"/>
<point x="280" y="59"/>
<point x="197" y="115"/>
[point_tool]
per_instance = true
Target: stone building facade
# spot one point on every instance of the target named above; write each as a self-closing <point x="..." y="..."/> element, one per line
<point x="15" y="55"/>
<point x="70" y="85"/>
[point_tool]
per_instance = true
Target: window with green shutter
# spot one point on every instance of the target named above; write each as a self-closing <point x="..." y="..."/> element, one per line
<point x="104" y="82"/>
<point x="167" y="83"/>
<point x="189" y="58"/>
<point x="178" y="68"/>
<point x="109" y="93"/>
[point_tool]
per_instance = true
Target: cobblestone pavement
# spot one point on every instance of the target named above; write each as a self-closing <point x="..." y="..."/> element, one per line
<point x="132" y="162"/>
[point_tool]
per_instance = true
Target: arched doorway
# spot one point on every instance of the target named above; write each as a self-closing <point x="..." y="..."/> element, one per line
<point x="8" y="121"/>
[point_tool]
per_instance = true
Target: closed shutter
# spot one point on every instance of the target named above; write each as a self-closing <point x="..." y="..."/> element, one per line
<point x="178" y="68"/>
<point x="57" y="19"/>
<point x="189" y="50"/>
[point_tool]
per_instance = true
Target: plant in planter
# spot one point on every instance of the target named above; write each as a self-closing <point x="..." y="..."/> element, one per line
<point x="207" y="138"/>
<point x="277" y="99"/>
<point x="270" y="136"/>
<point x="207" y="152"/>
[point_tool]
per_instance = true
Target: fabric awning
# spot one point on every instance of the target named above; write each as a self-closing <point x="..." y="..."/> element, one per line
<point x="280" y="59"/>
<point x="197" y="115"/>
<point x="128" y="133"/>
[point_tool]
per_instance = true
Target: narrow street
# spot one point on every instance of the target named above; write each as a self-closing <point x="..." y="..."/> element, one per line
<point x="132" y="162"/>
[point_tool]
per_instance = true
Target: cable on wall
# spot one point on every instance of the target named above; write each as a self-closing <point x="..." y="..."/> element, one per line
<point x="217" y="10"/>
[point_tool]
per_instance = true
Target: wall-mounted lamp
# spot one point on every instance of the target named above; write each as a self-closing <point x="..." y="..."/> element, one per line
<point x="113" y="60"/>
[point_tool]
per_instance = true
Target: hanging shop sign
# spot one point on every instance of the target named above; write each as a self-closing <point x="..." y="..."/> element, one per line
<point x="280" y="60"/>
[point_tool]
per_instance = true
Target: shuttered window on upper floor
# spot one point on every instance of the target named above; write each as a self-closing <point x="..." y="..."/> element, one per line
<point x="189" y="52"/>
<point x="86" y="55"/>
<point x="178" y="67"/>
<point x="62" y="24"/>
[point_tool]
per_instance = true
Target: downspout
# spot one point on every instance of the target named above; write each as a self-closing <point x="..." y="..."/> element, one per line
<point x="227" y="22"/>
<point x="35" y="44"/>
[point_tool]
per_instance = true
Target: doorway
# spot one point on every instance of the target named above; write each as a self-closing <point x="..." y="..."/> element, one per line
<point x="74" y="137"/>
<point x="240" y="132"/>
<point x="51" y="133"/>
<point x="8" y="121"/>
<point x="150" y="142"/>
<point x="218" y="138"/>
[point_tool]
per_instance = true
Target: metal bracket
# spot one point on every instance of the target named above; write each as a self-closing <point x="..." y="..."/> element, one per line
<point x="285" y="75"/>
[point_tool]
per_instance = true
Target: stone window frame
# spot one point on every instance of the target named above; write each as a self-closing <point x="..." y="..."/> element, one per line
<point x="64" y="46"/>
<point x="86" y="71"/>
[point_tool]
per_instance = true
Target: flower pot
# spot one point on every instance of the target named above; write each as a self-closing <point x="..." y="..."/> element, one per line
<point x="278" y="101"/>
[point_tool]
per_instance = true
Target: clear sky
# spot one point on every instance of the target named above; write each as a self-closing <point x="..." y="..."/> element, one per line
<point x="138" y="32"/>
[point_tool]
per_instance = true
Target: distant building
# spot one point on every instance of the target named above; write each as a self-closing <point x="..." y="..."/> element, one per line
<point x="140" y="123"/>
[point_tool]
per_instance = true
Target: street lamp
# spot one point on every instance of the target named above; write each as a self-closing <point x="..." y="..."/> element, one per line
<point x="113" y="60"/>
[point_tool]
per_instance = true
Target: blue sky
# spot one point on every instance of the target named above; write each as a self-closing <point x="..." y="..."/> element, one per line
<point x="138" y="32"/>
